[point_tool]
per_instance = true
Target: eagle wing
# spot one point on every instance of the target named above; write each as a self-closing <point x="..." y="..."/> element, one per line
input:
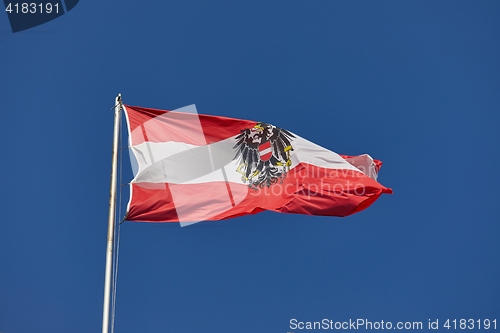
<point x="281" y="144"/>
<point x="247" y="151"/>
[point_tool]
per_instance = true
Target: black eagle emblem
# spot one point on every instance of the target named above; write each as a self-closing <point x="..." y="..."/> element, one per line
<point x="264" y="152"/>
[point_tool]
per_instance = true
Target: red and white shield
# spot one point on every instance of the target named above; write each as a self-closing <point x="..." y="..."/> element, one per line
<point x="265" y="151"/>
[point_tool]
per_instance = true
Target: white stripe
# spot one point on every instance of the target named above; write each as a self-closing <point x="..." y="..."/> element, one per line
<point x="181" y="163"/>
<point x="159" y="151"/>
<point x="308" y="152"/>
<point x="178" y="162"/>
<point x="265" y="151"/>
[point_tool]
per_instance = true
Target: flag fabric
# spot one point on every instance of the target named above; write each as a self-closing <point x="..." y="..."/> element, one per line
<point x="190" y="167"/>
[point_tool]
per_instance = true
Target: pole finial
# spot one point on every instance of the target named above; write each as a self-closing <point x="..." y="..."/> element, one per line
<point x="118" y="100"/>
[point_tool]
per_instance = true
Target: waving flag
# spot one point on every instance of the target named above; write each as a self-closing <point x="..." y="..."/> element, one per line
<point x="190" y="167"/>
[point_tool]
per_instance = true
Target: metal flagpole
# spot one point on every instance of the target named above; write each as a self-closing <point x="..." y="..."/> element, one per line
<point x="111" y="216"/>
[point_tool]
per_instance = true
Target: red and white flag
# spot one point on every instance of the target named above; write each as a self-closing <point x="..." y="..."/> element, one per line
<point x="191" y="167"/>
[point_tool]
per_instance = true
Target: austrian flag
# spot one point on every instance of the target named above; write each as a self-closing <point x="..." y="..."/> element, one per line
<point x="190" y="167"/>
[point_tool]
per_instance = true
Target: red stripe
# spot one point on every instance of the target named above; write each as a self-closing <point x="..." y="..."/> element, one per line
<point x="163" y="126"/>
<point x="265" y="145"/>
<point x="307" y="189"/>
<point x="267" y="156"/>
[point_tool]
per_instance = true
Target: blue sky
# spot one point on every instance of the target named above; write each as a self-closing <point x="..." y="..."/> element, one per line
<point x="414" y="84"/>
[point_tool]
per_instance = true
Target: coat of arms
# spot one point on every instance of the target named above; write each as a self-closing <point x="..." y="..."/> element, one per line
<point x="264" y="152"/>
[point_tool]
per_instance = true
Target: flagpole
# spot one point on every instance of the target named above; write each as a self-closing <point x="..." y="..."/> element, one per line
<point x="111" y="216"/>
